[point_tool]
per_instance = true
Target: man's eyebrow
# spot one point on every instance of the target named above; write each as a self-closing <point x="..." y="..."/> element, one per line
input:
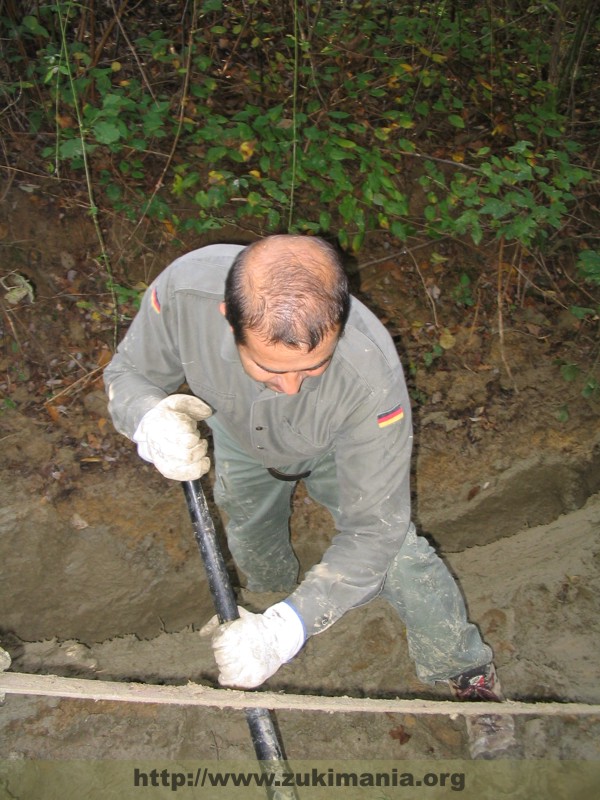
<point x="285" y="371"/>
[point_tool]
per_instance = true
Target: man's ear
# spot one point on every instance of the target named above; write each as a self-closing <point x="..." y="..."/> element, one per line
<point x="223" y="310"/>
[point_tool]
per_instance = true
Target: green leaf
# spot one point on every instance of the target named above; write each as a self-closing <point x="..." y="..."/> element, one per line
<point x="457" y="121"/>
<point x="569" y="372"/>
<point x="33" y="26"/>
<point x="324" y="220"/>
<point x="274" y="190"/>
<point x="347" y="208"/>
<point x="581" y="312"/>
<point x="430" y="213"/>
<point x="357" y="241"/>
<point x="407" y="146"/>
<point x="588" y="264"/>
<point x="72" y="148"/>
<point x="113" y="192"/>
<point x="496" y="208"/>
<point x="215" y="154"/>
<point x="106" y="132"/>
<point x="400" y="230"/>
<point x="337" y="155"/>
<point x="476" y="233"/>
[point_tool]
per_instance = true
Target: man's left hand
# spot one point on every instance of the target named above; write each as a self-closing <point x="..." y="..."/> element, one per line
<point x="250" y="649"/>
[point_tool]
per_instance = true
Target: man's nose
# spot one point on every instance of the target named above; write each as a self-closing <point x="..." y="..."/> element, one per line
<point x="291" y="382"/>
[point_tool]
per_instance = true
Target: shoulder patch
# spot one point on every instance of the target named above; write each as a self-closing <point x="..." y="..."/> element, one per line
<point x="389" y="417"/>
<point x="154" y="301"/>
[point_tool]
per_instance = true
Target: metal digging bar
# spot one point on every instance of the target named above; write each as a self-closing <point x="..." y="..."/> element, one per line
<point x="265" y="738"/>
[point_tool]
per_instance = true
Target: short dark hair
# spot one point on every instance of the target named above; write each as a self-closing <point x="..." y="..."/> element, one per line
<point x="296" y="298"/>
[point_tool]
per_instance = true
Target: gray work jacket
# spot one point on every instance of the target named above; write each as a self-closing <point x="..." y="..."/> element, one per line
<point x="358" y="409"/>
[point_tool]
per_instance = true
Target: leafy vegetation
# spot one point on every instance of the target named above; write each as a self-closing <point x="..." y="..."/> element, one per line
<point x="420" y="121"/>
<point x="326" y="119"/>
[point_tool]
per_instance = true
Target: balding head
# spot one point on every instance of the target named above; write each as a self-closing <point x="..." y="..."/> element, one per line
<point x="289" y="290"/>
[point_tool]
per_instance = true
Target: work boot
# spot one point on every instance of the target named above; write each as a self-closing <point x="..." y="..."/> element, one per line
<point x="490" y="735"/>
<point x="480" y="683"/>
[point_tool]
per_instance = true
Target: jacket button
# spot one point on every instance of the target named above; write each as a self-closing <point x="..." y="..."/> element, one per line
<point x="259" y="428"/>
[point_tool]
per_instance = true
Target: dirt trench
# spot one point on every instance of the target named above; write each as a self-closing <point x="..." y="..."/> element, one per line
<point x="106" y="583"/>
<point x="101" y="578"/>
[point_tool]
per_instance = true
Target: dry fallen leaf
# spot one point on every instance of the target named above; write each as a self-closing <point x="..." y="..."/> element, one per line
<point x="53" y="412"/>
<point x="447" y="340"/>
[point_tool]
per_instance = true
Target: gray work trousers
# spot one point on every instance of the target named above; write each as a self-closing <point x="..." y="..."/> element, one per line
<point x="441" y="641"/>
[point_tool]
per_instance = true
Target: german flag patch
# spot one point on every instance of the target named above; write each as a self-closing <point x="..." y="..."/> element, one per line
<point x="154" y="301"/>
<point x="389" y="417"/>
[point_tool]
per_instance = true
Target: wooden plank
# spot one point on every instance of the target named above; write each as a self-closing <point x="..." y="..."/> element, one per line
<point x="193" y="694"/>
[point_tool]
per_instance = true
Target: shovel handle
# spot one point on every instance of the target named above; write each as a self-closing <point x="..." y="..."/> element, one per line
<point x="206" y="538"/>
<point x="265" y="737"/>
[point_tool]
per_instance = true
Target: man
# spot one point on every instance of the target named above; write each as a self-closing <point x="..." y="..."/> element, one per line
<point x="297" y="380"/>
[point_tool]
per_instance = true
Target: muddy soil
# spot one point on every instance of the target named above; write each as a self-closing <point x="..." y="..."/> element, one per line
<point x="101" y="577"/>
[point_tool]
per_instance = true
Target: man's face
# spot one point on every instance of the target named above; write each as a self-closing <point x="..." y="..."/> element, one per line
<point x="281" y="368"/>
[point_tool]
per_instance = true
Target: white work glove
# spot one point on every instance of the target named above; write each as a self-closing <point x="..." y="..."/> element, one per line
<point x="168" y="437"/>
<point x="250" y="649"/>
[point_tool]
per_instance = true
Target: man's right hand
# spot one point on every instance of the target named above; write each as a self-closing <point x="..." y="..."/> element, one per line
<point x="168" y="437"/>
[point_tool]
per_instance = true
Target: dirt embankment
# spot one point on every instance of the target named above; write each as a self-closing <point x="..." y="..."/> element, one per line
<point x="101" y="577"/>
